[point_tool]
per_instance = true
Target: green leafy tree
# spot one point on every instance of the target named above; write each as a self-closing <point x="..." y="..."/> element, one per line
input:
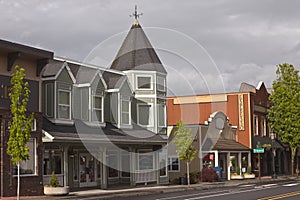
<point x="284" y="115"/>
<point x="184" y="142"/>
<point x="21" y="124"/>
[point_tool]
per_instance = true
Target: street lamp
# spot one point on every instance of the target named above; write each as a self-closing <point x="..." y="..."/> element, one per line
<point x="273" y="154"/>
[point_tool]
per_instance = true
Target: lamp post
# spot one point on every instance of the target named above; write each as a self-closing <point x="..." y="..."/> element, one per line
<point x="273" y="155"/>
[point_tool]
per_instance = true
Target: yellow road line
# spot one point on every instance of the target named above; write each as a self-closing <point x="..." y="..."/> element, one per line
<point x="280" y="196"/>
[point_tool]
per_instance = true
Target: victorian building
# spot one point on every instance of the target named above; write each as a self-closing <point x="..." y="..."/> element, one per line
<point x="107" y="126"/>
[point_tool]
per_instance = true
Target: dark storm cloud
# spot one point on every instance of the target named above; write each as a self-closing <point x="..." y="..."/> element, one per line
<point x="245" y="39"/>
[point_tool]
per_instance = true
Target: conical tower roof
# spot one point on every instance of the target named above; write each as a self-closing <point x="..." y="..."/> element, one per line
<point x="137" y="53"/>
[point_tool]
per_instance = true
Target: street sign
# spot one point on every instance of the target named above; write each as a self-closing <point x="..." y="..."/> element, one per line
<point x="260" y="150"/>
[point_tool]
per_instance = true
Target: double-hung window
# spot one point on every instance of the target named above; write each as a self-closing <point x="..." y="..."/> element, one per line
<point x="173" y="164"/>
<point x="126" y="117"/>
<point x="64" y="104"/>
<point x="264" y="126"/>
<point x="161" y="84"/>
<point x="97" y="108"/>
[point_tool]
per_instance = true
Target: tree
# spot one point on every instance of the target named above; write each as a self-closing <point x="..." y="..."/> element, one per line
<point x="284" y="115"/>
<point x="184" y="142"/>
<point x="21" y="124"/>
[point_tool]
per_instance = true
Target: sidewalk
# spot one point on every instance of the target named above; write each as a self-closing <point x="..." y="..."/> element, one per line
<point x="154" y="189"/>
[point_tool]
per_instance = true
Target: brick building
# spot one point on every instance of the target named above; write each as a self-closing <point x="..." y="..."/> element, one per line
<point x="32" y="60"/>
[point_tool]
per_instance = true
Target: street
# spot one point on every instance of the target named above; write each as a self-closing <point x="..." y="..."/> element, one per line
<point x="284" y="190"/>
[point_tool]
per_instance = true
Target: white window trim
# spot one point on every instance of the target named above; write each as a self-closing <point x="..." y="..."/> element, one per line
<point x="129" y="111"/>
<point x="264" y="126"/>
<point x="148" y="152"/>
<point x="35" y="160"/>
<point x="93" y="108"/>
<point x="144" y="76"/>
<point x="165" y="114"/>
<point x="150" y="116"/>
<point x="170" y="163"/>
<point x="58" y="104"/>
<point x="255" y="121"/>
<point x="164" y="83"/>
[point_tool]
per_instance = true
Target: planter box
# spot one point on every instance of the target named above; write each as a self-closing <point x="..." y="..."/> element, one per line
<point x="249" y="176"/>
<point x="56" y="191"/>
<point x="236" y="177"/>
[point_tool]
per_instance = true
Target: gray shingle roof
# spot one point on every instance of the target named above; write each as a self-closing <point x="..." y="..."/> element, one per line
<point x="245" y="87"/>
<point x="52" y="68"/>
<point x="113" y="80"/>
<point x="137" y="53"/>
<point x="82" y="132"/>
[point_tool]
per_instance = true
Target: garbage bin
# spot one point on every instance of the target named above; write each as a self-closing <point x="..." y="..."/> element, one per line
<point x="183" y="180"/>
<point x="218" y="170"/>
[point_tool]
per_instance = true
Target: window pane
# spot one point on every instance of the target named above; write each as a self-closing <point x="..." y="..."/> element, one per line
<point x="112" y="162"/>
<point x="144" y="82"/>
<point x="64" y="112"/>
<point x="52" y="162"/>
<point x="145" y="161"/>
<point x="28" y="166"/>
<point x="144" y="114"/>
<point x="97" y="102"/>
<point x="161" y="115"/>
<point x="125" y="118"/>
<point x="125" y="165"/>
<point x="97" y="115"/>
<point x="64" y="98"/>
<point x="160" y="84"/>
<point x="125" y="106"/>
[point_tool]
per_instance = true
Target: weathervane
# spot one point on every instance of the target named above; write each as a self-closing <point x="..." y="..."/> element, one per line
<point x="136" y="15"/>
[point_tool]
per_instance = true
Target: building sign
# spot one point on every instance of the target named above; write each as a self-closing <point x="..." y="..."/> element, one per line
<point x="259" y="150"/>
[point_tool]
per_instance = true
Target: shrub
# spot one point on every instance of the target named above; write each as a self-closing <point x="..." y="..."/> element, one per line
<point x="249" y="170"/>
<point x="208" y="174"/>
<point x="194" y="177"/>
<point x="53" y="180"/>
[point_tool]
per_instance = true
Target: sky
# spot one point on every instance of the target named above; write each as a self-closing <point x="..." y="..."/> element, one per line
<point x="206" y="46"/>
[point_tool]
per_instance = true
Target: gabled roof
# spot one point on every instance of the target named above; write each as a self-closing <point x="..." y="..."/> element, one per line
<point x="245" y="87"/>
<point x="80" y="132"/>
<point x="54" y="68"/>
<point x="137" y="53"/>
<point x="113" y="80"/>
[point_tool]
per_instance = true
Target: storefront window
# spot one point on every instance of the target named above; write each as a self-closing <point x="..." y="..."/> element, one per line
<point x="112" y="162"/>
<point x="125" y="160"/>
<point x="52" y="162"/>
<point x="163" y="162"/>
<point x="146" y="160"/>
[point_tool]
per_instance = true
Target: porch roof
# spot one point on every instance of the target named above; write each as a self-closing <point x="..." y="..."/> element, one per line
<point x="80" y="132"/>
<point x="229" y="145"/>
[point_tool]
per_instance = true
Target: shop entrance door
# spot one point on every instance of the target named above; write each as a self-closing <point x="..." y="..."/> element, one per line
<point x="87" y="170"/>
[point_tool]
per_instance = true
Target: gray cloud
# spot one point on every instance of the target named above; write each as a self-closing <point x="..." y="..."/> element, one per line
<point x="246" y="39"/>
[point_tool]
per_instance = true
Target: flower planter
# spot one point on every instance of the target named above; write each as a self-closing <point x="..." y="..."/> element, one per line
<point x="236" y="177"/>
<point x="56" y="191"/>
<point x="249" y="176"/>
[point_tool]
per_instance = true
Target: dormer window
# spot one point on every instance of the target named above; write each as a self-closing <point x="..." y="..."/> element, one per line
<point x="144" y="82"/>
<point x="97" y="108"/>
<point x="64" y="104"/>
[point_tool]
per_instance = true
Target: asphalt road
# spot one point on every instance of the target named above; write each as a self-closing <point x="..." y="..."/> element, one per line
<point x="285" y="190"/>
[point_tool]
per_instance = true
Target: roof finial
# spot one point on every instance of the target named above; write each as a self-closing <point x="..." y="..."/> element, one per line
<point x="136" y="15"/>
